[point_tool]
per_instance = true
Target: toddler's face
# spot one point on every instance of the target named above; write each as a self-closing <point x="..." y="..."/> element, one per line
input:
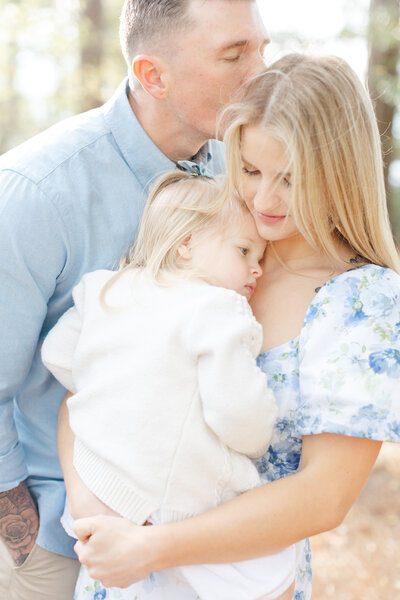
<point x="232" y="260"/>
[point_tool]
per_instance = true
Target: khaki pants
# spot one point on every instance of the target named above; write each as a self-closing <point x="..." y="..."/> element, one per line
<point x="43" y="576"/>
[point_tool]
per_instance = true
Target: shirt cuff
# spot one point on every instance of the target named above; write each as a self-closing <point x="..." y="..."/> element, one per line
<point x="13" y="468"/>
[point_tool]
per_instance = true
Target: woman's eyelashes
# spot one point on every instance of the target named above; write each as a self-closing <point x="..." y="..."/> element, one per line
<point x="248" y="171"/>
<point x="284" y="180"/>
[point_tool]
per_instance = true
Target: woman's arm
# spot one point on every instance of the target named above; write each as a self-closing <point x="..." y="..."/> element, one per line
<point x="81" y="501"/>
<point x="334" y="469"/>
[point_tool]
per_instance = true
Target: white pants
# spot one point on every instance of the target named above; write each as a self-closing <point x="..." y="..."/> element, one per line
<point x="267" y="578"/>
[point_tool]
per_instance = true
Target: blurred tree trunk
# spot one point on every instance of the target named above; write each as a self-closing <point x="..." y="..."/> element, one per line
<point x="91" y="52"/>
<point x="384" y="56"/>
<point x="10" y="101"/>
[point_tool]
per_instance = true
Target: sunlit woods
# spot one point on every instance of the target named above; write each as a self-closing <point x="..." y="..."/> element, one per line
<point x="384" y="86"/>
<point x="91" y="45"/>
<point x="57" y="58"/>
<point x="61" y="57"/>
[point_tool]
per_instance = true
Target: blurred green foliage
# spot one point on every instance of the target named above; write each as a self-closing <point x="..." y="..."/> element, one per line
<point x="384" y="84"/>
<point x="60" y="57"/>
<point x="47" y="67"/>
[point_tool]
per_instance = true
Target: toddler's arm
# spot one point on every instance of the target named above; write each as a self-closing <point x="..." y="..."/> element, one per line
<point x="81" y="501"/>
<point x="237" y="403"/>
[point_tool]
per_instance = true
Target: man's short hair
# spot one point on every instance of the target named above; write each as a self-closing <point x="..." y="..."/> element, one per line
<point x="148" y="21"/>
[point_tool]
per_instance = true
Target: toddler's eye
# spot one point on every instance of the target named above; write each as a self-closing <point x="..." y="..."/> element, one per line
<point x="244" y="251"/>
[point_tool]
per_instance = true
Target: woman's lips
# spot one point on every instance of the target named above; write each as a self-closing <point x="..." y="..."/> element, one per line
<point x="270" y="219"/>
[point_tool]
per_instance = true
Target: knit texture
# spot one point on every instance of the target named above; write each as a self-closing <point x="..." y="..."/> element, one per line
<point x="169" y="404"/>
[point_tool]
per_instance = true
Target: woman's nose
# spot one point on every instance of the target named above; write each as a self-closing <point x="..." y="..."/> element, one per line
<point x="266" y="197"/>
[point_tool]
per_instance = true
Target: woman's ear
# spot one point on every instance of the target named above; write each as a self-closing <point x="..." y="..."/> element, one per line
<point x="184" y="250"/>
<point x="148" y="70"/>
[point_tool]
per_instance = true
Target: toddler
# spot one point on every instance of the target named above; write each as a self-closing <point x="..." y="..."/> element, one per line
<point x="169" y="406"/>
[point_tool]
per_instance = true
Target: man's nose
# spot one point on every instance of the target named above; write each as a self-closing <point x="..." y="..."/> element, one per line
<point x="259" y="64"/>
<point x="257" y="67"/>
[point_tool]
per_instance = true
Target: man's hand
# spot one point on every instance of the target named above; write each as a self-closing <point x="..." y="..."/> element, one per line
<point x="19" y="522"/>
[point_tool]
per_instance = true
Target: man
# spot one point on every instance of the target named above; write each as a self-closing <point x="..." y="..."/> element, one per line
<point x="70" y="202"/>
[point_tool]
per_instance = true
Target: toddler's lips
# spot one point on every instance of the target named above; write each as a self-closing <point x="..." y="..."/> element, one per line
<point x="250" y="288"/>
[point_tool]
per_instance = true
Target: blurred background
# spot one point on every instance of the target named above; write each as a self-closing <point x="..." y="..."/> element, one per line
<point x="61" y="57"/>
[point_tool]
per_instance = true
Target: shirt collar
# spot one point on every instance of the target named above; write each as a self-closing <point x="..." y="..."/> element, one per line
<point x="140" y="153"/>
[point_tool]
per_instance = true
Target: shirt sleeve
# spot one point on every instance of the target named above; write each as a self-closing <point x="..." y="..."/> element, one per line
<point x="350" y="359"/>
<point x="32" y="256"/>
<point x="237" y="403"/>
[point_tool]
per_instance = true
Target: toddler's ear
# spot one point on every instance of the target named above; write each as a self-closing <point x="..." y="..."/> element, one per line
<point x="184" y="250"/>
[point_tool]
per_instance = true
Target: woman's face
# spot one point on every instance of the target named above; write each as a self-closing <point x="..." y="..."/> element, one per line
<point x="266" y="183"/>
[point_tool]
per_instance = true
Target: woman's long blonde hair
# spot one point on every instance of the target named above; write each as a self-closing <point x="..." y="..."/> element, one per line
<point x="180" y="208"/>
<point x="317" y="107"/>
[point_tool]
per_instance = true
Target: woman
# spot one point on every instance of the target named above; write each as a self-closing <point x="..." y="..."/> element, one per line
<point x="304" y="151"/>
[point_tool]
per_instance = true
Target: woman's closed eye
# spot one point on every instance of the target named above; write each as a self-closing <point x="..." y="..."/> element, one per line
<point x="248" y="171"/>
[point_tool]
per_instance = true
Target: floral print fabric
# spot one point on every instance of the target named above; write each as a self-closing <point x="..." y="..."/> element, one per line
<point x="340" y="375"/>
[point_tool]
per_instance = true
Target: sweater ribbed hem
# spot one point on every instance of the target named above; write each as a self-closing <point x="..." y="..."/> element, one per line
<point x="123" y="497"/>
<point x="103" y="480"/>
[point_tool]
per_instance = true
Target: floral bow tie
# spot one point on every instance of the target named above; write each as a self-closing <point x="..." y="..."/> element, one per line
<point x="195" y="168"/>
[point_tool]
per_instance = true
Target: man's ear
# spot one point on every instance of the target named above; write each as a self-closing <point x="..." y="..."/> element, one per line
<point x="184" y="250"/>
<point x="148" y="70"/>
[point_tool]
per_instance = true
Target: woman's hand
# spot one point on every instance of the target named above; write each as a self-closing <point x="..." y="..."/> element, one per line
<point x="259" y="522"/>
<point x="115" y="550"/>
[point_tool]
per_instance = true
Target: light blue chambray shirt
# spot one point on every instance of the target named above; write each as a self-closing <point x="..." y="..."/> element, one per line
<point x="70" y="202"/>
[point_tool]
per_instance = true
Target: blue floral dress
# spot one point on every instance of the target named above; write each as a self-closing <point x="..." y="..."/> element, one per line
<point x="340" y="375"/>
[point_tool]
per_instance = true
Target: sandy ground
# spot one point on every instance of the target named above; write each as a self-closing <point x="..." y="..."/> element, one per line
<point x="360" y="559"/>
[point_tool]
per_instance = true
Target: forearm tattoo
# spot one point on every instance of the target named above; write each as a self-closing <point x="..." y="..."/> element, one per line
<point x="19" y="522"/>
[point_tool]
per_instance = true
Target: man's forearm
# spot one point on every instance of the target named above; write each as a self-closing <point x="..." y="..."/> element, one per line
<point x="19" y="522"/>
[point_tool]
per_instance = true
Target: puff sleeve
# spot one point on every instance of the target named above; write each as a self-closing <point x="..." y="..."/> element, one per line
<point x="350" y="357"/>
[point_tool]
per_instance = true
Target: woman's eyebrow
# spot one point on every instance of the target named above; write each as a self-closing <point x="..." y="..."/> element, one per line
<point x="247" y="162"/>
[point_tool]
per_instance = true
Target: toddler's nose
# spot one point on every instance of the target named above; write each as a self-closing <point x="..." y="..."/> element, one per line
<point x="257" y="271"/>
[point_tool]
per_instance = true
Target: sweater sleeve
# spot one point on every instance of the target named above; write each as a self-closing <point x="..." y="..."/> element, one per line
<point x="237" y="403"/>
<point x="60" y="344"/>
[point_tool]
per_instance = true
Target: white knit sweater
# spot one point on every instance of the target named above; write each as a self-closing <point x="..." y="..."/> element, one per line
<point x="168" y="401"/>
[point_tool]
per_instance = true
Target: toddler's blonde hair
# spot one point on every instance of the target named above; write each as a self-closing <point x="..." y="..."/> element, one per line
<point x="181" y="208"/>
<point x="318" y="108"/>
